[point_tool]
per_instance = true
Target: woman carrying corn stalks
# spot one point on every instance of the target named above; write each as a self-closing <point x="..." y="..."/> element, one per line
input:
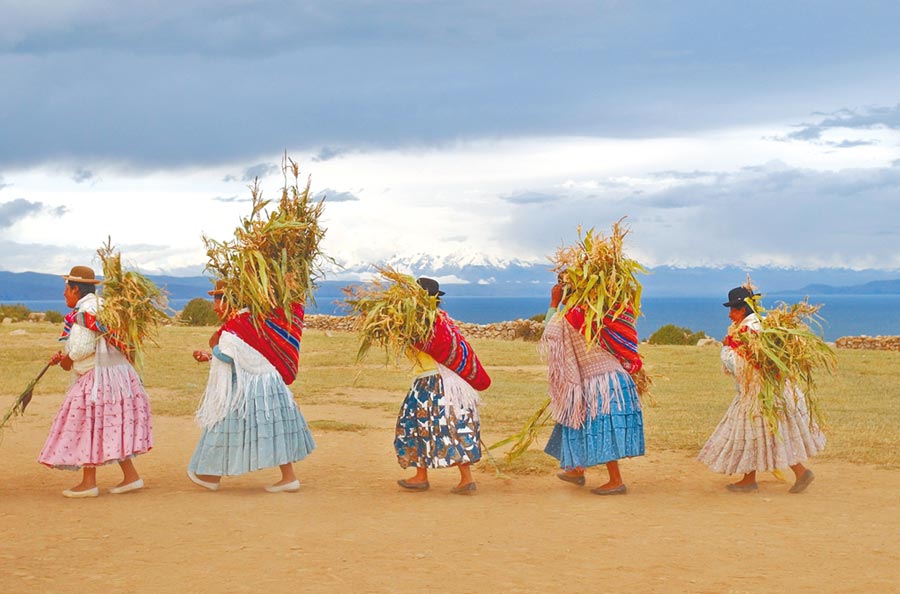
<point x="593" y="398"/>
<point x="249" y="418"/>
<point x="744" y="441"/>
<point x="105" y="416"/>
<point x="438" y="424"/>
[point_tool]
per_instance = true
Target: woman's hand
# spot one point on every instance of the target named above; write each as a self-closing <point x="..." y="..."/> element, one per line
<point x="556" y="294"/>
<point x="56" y="358"/>
<point x="202" y="356"/>
<point x="66" y="363"/>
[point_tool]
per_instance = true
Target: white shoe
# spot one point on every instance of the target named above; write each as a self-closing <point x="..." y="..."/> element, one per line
<point x="79" y="494"/>
<point x="205" y="484"/>
<point x="132" y="486"/>
<point x="285" y="488"/>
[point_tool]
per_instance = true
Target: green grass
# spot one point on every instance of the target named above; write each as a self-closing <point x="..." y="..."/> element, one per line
<point x="862" y="402"/>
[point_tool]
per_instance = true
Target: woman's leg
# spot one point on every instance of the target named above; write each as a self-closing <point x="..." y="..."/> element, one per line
<point x="88" y="479"/>
<point x="129" y="472"/>
<point x="465" y="475"/>
<point x="287" y="474"/>
<point x="615" y="476"/>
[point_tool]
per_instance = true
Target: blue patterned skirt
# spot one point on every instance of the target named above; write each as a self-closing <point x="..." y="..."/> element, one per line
<point x="271" y="432"/>
<point x="606" y="437"/>
<point x="432" y="434"/>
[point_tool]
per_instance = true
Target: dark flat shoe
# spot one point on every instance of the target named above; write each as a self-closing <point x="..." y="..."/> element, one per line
<point x="620" y="490"/>
<point x="736" y="488"/>
<point x="467" y="489"/>
<point x="413" y="486"/>
<point x="571" y="478"/>
<point x="802" y="482"/>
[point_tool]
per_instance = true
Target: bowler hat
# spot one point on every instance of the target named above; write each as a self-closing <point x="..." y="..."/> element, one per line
<point x="430" y="285"/>
<point x="81" y="274"/>
<point x="220" y="288"/>
<point x="738" y="295"/>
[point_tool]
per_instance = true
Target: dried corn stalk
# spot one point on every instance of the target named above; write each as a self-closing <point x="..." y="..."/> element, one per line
<point x="783" y="357"/>
<point x="392" y="312"/>
<point x="275" y="257"/>
<point x="598" y="277"/>
<point x="133" y="307"/>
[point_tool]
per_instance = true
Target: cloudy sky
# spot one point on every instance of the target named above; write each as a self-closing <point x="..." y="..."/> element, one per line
<point x="755" y="133"/>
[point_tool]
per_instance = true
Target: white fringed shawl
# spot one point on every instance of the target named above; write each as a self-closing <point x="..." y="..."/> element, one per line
<point x="458" y="394"/>
<point x="576" y="374"/>
<point x="229" y="385"/>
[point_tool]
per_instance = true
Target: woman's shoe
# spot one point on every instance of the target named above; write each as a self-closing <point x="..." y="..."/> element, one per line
<point x="467" y="489"/>
<point x="132" y="486"/>
<point x="802" y="482"/>
<point x="80" y="494"/>
<point x="413" y="486"/>
<point x="290" y="487"/>
<point x="205" y="484"/>
<point x="620" y="490"/>
<point x="736" y="488"/>
<point x="575" y="479"/>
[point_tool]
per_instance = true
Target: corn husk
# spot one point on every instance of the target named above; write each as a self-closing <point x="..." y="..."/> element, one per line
<point x="133" y="307"/>
<point x="527" y="434"/>
<point x="21" y="403"/>
<point x="785" y="354"/>
<point x="392" y="313"/>
<point x="598" y="277"/>
<point x="275" y="257"/>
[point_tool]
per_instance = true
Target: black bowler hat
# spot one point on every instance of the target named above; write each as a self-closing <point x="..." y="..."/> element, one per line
<point x="430" y="285"/>
<point x="737" y="296"/>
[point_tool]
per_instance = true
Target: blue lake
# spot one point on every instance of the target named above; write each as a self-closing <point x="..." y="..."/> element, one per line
<point x="845" y="315"/>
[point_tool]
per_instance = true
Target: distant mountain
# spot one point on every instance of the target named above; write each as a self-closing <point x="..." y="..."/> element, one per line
<point x="479" y="276"/>
<point x="885" y="287"/>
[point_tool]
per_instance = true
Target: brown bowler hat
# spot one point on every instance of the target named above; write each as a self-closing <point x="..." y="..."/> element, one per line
<point x="220" y="288"/>
<point x="81" y="274"/>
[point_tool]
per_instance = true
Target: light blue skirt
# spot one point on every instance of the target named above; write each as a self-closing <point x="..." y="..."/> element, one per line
<point x="606" y="437"/>
<point x="261" y="437"/>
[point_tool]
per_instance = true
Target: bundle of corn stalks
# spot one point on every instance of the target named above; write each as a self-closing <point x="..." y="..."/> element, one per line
<point x="393" y="312"/>
<point x="133" y="307"/>
<point x="598" y="277"/>
<point x="783" y="357"/>
<point x="274" y="259"/>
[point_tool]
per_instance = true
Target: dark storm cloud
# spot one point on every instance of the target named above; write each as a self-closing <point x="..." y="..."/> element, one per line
<point x="16" y="210"/>
<point x="770" y="211"/>
<point x="203" y="82"/>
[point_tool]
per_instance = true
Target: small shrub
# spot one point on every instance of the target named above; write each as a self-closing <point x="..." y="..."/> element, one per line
<point x="672" y="334"/>
<point x="538" y="318"/>
<point x="199" y="312"/>
<point x="16" y="312"/>
<point x="53" y="316"/>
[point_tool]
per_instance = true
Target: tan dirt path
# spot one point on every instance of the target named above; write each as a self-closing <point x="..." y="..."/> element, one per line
<point x="350" y="529"/>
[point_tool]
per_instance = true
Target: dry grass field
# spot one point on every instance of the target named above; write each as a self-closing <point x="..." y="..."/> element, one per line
<point x="351" y="529"/>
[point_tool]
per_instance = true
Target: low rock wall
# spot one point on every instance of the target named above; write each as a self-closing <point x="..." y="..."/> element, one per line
<point x="876" y="343"/>
<point x="516" y="329"/>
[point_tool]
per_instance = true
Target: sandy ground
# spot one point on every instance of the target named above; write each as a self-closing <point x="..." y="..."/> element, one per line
<point x="350" y="528"/>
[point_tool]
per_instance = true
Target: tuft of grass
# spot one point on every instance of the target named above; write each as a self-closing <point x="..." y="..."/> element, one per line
<point x="332" y="425"/>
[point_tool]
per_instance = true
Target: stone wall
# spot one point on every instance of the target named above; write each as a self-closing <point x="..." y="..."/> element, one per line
<point x="877" y="343"/>
<point x="524" y="329"/>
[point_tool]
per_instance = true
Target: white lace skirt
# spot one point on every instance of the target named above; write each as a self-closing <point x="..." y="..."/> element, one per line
<point x="742" y="442"/>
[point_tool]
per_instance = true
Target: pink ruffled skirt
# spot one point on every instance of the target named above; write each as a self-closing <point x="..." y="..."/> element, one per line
<point x="114" y="428"/>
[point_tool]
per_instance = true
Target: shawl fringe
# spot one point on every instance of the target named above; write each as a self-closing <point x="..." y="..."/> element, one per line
<point x="457" y="392"/>
<point x="576" y="375"/>
<point x="228" y="386"/>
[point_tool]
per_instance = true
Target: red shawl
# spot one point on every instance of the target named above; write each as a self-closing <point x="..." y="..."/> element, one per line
<point x="276" y="339"/>
<point x="617" y="335"/>
<point x="449" y="347"/>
